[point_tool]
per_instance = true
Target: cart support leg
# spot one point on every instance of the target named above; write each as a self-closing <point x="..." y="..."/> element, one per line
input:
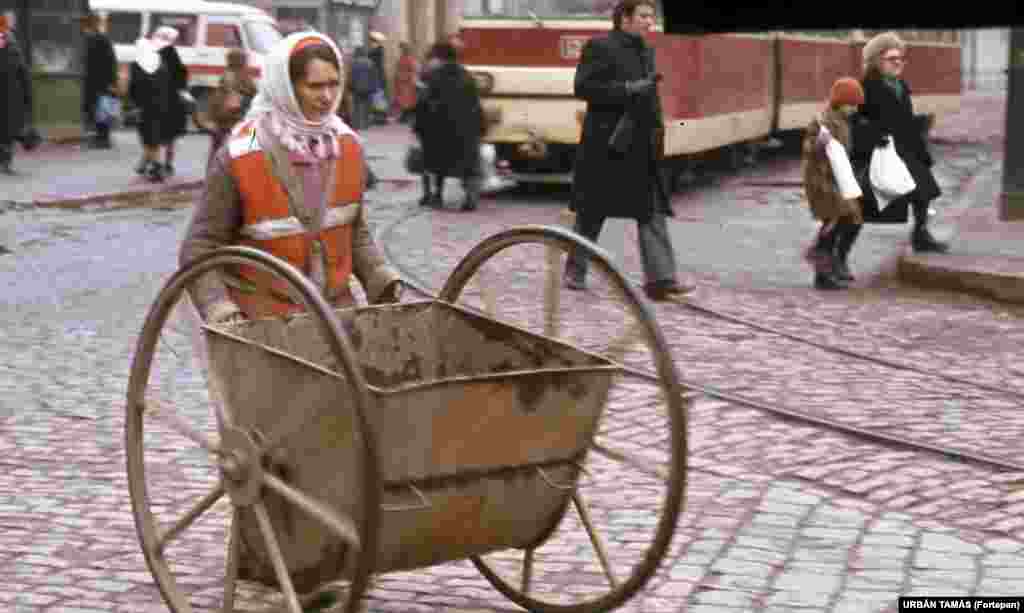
<point x="231" y="572"/>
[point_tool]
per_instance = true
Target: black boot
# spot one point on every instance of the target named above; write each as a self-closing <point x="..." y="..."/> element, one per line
<point x="921" y="239"/>
<point x="825" y="280"/>
<point x="923" y="242"/>
<point x="425" y="200"/>
<point x="848" y="233"/>
<point x="437" y="198"/>
<point x="472" y="187"/>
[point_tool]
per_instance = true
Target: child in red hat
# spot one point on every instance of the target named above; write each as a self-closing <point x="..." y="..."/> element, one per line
<point x="837" y="207"/>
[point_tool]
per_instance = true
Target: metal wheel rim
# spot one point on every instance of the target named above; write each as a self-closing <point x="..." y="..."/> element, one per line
<point x="145" y="522"/>
<point x="463" y="273"/>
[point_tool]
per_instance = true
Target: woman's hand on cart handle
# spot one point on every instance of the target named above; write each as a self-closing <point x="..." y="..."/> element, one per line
<point x="225" y="313"/>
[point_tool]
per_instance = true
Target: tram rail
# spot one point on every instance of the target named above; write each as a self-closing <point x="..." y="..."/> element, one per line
<point x="698" y="390"/>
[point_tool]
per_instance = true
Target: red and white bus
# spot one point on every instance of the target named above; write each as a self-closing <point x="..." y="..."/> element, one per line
<point x="719" y="90"/>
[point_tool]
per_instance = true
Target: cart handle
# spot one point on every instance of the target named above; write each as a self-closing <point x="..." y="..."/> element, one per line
<point x="423" y="504"/>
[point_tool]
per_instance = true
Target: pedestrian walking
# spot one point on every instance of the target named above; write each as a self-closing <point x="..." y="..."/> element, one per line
<point x="379" y="105"/>
<point x="840" y="215"/>
<point x="180" y="102"/>
<point x="15" y="97"/>
<point x="289" y="181"/>
<point x="231" y="100"/>
<point x="154" y="89"/>
<point x="888" y="112"/>
<point x="100" y="78"/>
<point x="406" y="72"/>
<point x="430" y="62"/>
<point x="617" y="172"/>
<point x="364" y="82"/>
<point x="450" y="124"/>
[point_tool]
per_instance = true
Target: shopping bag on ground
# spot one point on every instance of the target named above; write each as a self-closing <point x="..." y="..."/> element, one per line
<point x="842" y="171"/>
<point x="888" y="174"/>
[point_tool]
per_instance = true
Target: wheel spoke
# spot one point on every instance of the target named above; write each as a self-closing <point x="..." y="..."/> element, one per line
<point x="190" y="518"/>
<point x="527" y="569"/>
<point x="647" y="467"/>
<point x="342" y="526"/>
<point x="231" y="572"/>
<point x="621" y="344"/>
<point x="161" y="411"/>
<point x="277" y="558"/>
<point x="483" y="280"/>
<point x="553" y="292"/>
<point x="595" y="538"/>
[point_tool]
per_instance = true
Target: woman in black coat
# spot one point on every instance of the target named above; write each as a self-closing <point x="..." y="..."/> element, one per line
<point x="175" y="123"/>
<point x="450" y="124"/>
<point x="888" y="112"/>
<point x="100" y="75"/>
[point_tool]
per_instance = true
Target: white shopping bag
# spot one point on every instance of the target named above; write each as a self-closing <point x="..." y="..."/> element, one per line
<point x="888" y="175"/>
<point x="842" y="170"/>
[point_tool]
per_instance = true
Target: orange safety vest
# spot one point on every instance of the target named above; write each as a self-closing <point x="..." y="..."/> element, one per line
<point x="269" y="224"/>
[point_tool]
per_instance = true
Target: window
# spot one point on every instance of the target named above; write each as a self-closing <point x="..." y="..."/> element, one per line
<point x="544" y="9"/>
<point x="262" y="35"/>
<point x="55" y="42"/>
<point x="124" y="28"/>
<point x="223" y="35"/>
<point x="186" y="25"/>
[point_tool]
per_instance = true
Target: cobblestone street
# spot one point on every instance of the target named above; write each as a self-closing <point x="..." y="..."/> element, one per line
<point x="780" y="515"/>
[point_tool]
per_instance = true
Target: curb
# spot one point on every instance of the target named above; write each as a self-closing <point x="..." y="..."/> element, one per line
<point x="963" y="273"/>
<point x="997" y="277"/>
<point x="142" y="196"/>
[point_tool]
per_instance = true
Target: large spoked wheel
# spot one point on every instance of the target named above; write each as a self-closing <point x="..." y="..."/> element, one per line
<point x="622" y="511"/>
<point x="189" y="458"/>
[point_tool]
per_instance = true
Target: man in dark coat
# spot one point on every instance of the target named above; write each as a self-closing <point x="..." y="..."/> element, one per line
<point x="100" y="75"/>
<point x="15" y="95"/>
<point x="888" y="112"/>
<point x="450" y="124"/>
<point x="623" y="179"/>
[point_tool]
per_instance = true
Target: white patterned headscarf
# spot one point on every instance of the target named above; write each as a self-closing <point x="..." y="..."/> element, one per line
<point x="277" y="103"/>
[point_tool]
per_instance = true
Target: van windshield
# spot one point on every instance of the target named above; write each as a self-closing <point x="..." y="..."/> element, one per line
<point x="262" y="35"/>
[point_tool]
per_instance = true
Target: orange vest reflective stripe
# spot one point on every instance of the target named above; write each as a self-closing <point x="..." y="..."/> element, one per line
<point x="268" y="224"/>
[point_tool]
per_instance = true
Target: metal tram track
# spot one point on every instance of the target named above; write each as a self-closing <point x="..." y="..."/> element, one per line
<point x="951" y="453"/>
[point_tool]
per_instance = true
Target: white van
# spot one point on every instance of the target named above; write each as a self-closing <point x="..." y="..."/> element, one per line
<point x="208" y="30"/>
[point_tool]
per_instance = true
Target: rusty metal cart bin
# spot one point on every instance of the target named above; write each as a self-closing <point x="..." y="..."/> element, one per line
<point x="357" y="442"/>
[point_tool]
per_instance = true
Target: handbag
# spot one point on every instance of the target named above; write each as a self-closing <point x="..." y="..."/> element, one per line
<point x="842" y="171"/>
<point x="379" y="102"/>
<point x="888" y="175"/>
<point x="108" y="110"/>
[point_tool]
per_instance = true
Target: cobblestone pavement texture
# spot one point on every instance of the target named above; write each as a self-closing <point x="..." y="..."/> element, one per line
<point x="779" y="516"/>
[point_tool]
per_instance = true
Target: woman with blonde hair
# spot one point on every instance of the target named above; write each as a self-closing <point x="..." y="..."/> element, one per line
<point x="888" y="113"/>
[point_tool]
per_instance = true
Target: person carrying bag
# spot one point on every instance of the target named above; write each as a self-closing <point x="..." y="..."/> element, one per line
<point x="833" y="192"/>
